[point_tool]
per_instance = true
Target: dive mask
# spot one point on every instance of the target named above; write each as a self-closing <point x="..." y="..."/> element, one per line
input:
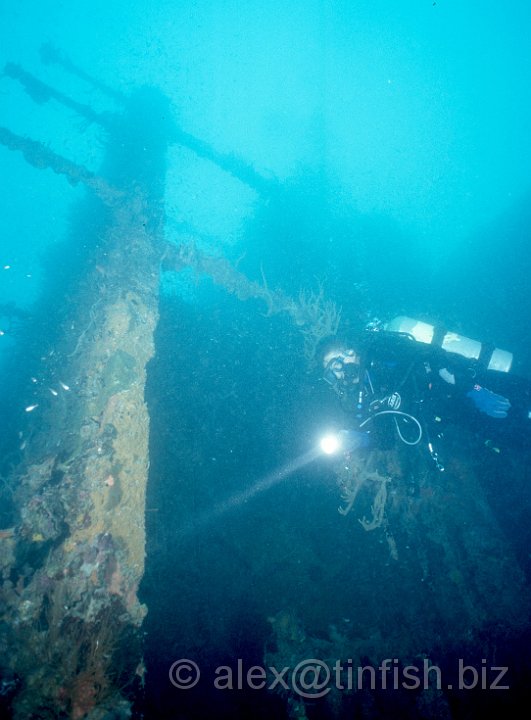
<point x="342" y="369"/>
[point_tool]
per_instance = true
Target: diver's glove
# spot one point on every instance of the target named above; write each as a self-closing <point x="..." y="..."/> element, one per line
<point x="487" y="402"/>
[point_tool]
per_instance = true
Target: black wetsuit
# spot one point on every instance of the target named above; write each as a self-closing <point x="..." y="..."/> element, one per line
<point x="398" y="373"/>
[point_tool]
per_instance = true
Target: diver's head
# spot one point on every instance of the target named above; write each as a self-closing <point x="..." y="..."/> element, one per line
<point x="341" y="365"/>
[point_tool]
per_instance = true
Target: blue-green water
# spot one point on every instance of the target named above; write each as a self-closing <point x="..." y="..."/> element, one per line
<point x="405" y="123"/>
<point x="387" y="151"/>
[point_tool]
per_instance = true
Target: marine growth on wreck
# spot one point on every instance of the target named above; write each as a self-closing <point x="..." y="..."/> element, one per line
<point x="173" y="541"/>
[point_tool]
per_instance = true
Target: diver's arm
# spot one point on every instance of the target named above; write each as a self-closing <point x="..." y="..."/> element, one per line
<point x="457" y="374"/>
<point x="476" y="384"/>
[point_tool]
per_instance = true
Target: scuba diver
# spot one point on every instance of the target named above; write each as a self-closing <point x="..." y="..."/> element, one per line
<point x="415" y="377"/>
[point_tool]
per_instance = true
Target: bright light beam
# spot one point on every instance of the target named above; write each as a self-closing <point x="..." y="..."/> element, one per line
<point x="241" y="498"/>
<point x="330" y="444"/>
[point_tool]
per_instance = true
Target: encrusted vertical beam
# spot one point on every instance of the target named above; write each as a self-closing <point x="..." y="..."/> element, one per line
<point x="72" y="565"/>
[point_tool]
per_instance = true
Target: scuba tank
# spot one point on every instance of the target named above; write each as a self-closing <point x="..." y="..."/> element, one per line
<point x="491" y="357"/>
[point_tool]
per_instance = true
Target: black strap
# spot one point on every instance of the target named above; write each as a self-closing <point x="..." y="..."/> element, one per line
<point x="485" y="354"/>
<point x="439" y="334"/>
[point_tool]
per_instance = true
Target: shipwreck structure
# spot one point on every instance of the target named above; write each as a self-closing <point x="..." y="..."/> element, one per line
<point x="76" y="481"/>
<point x="72" y="565"/>
<point x="77" y="460"/>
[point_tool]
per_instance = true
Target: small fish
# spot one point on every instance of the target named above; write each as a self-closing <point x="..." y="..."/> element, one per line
<point x="54" y="392"/>
<point x="33" y="380"/>
<point x="31" y="408"/>
<point x="2" y="333"/>
<point x="64" y="386"/>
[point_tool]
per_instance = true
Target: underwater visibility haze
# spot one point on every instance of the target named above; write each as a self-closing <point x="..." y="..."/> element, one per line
<point x="229" y="230"/>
